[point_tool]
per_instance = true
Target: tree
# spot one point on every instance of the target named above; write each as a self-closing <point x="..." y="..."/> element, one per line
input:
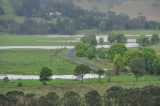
<point x="118" y="63"/>
<point x="116" y="49"/>
<point x="85" y="50"/>
<point x="71" y="99"/>
<point x="51" y="99"/>
<point x="143" y="40"/>
<point x="6" y="80"/>
<point x="100" y="73"/>
<point x="26" y="7"/>
<point x="130" y="54"/>
<point x="93" y="98"/>
<point x="91" y="52"/>
<point x="81" y="70"/>
<point x="101" y="53"/>
<point x="81" y="49"/>
<point x="156" y="65"/>
<point x="155" y="38"/>
<point x="137" y="66"/>
<point x="90" y="39"/>
<point x="117" y="38"/>
<point x="101" y="40"/>
<point x="29" y="26"/>
<point x="149" y="55"/>
<point x="45" y="75"/>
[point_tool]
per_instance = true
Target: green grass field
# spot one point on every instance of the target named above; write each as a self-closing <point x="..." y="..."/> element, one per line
<point x="126" y="32"/>
<point x="30" y="61"/>
<point x="60" y="86"/>
<point x="138" y="32"/>
<point x="19" y="40"/>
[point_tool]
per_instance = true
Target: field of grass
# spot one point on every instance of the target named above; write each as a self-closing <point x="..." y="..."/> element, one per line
<point x="138" y="32"/>
<point x="60" y="86"/>
<point x="39" y="40"/>
<point x="30" y="61"/>
<point x="126" y="32"/>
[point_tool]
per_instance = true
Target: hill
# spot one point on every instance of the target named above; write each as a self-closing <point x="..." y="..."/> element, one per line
<point x="133" y="8"/>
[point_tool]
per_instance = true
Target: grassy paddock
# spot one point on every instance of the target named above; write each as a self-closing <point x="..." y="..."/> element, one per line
<point x="138" y="32"/>
<point x="60" y="86"/>
<point x="30" y="61"/>
<point x="19" y="40"/>
<point x="126" y="32"/>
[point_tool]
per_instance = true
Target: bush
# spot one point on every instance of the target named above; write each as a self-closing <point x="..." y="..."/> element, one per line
<point x="20" y="84"/>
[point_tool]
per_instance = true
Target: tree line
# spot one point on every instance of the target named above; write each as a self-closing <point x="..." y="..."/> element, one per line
<point x="114" y="96"/>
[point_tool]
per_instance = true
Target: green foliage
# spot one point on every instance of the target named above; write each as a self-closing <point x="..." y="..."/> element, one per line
<point x="20" y="84"/>
<point x="137" y="66"/>
<point x="81" y="70"/>
<point x="130" y="54"/>
<point x="116" y="38"/>
<point x="71" y="99"/>
<point x="118" y="63"/>
<point x="143" y="41"/>
<point x="86" y="47"/>
<point x="91" y="52"/>
<point x="100" y="73"/>
<point x="148" y="95"/>
<point x="81" y="49"/>
<point x="90" y="39"/>
<point x="45" y="75"/>
<point x="115" y="95"/>
<point x="149" y="55"/>
<point x="102" y="54"/>
<point x="101" y="40"/>
<point x="155" y="38"/>
<point x="6" y="80"/>
<point x="93" y="98"/>
<point x="9" y="26"/>
<point x="156" y="65"/>
<point x="26" y="7"/>
<point x="28" y="27"/>
<point x="51" y="99"/>
<point x="116" y="49"/>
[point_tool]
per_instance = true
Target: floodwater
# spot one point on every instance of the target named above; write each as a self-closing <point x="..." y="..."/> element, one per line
<point x="36" y="77"/>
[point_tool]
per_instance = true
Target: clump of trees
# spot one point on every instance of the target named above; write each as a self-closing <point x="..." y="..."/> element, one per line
<point x="148" y="95"/>
<point x="116" y="38"/>
<point x="125" y="60"/>
<point x="144" y="41"/>
<point x="114" y="50"/>
<point x="137" y="66"/>
<point x="86" y="47"/>
<point x="115" y="95"/>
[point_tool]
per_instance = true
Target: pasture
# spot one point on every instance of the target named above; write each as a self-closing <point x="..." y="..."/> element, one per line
<point x="36" y="40"/>
<point x="30" y="61"/>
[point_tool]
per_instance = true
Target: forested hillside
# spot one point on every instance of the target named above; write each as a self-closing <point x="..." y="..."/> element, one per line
<point x="65" y="17"/>
<point x="149" y="8"/>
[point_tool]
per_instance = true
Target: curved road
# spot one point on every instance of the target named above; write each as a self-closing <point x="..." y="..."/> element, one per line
<point x="70" y="56"/>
